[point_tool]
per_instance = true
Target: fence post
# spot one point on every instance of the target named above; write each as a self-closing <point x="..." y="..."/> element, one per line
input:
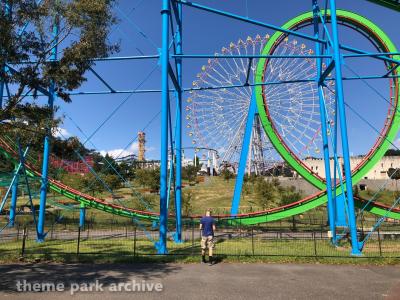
<point x="24" y="234"/>
<point x="362" y="226"/>
<point x="294" y="228"/>
<point x="192" y="236"/>
<point x="79" y="241"/>
<point x="51" y="231"/>
<point x="379" y="242"/>
<point x="315" y="244"/>
<point x="134" y="241"/>
<point x="18" y="229"/>
<point x="252" y="240"/>
<point x="240" y="228"/>
<point x="88" y="228"/>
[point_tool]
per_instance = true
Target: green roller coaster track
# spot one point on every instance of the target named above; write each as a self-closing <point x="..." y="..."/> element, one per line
<point x="296" y="208"/>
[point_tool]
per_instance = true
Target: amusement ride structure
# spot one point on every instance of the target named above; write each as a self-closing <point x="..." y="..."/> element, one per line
<point x="264" y="101"/>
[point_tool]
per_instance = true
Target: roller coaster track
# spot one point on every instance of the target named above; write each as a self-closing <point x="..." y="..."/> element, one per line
<point x="269" y="215"/>
<point x="392" y="4"/>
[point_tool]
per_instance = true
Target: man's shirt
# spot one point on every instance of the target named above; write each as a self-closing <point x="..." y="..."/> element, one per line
<point x="207" y="225"/>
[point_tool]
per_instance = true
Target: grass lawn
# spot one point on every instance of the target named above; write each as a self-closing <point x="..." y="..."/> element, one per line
<point x="117" y="249"/>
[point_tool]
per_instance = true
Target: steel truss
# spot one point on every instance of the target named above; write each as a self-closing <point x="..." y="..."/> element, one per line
<point x="327" y="49"/>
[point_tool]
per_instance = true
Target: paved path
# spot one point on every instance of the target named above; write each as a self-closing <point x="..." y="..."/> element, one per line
<point x="195" y="281"/>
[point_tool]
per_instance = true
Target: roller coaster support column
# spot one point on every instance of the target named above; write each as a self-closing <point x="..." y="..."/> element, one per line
<point x="343" y="130"/>
<point x="82" y="215"/>
<point x="178" y="133"/>
<point x="6" y="8"/>
<point x="46" y="151"/>
<point x="1" y="91"/>
<point x="244" y="156"/>
<point x="162" y="243"/>
<point x="322" y="110"/>
<point x="14" y="196"/>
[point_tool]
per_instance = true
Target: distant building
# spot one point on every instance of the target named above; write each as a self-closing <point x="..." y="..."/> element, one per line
<point x="379" y="171"/>
<point x="73" y="166"/>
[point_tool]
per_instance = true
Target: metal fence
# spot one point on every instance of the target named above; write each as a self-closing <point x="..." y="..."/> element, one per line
<point x="297" y="237"/>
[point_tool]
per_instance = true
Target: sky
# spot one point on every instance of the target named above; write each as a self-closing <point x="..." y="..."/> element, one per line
<point x="112" y="121"/>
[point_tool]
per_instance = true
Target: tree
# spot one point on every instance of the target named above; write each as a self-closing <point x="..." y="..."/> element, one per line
<point x="356" y="191"/>
<point x="227" y="175"/>
<point x="196" y="162"/>
<point x="83" y="27"/>
<point x="145" y="202"/>
<point x="112" y="181"/>
<point x="90" y="184"/>
<point x="266" y="192"/>
<point x="187" y="206"/>
<point x="149" y="178"/>
<point x="27" y="126"/>
<point x="289" y="196"/>
<point x="189" y="173"/>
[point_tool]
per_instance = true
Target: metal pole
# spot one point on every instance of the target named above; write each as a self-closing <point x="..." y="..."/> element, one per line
<point x="7" y="12"/>
<point x="252" y="240"/>
<point x="3" y="201"/>
<point x="343" y="130"/>
<point x="134" y="242"/>
<point x="46" y="151"/>
<point x="14" y="196"/>
<point x="162" y="243"/>
<point x="1" y="90"/>
<point x="82" y="216"/>
<point x="331" y="212"/>
<point x="178" y="133"/>
<point x="315" y="243"/>
<point x="24" y="236"/>
<point x="192" y="221"/>
<point x="379" y="243"/>
<point x="243" y="156"/>
<point x="78" y="242"/>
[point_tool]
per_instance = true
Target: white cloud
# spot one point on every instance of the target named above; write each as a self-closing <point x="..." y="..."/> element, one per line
<point x="115" y="153"/>
<point x="61" y="133"/>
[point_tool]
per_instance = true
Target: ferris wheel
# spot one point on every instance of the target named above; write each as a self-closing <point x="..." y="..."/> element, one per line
<point x="217" y="114"/>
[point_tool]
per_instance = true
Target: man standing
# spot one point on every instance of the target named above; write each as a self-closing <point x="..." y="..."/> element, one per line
<point x="207" y="228"/>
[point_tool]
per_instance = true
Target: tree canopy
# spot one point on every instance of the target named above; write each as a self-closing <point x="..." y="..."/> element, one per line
<point x="27" y="37"/>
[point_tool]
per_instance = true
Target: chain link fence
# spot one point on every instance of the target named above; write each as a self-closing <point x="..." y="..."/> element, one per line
<point x="114" y="239"/>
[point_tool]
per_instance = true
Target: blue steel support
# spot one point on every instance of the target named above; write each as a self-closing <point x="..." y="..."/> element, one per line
<point x="2" y="83"/>
<point x="46" y="151"/>
<point x="331" y="212"/>
<point x="82" y="215"/>
<point x="16" y="172"/>
<point x="250" y="21"/>
<point x="178" y="128"/>
<point x="162" y="243"/>
<point x="171" y="164"/>
<point x="14" y="196"/>
<point x="1" y="90"/>
<point x="343" y="130"/>
<point x="244" y="156"/>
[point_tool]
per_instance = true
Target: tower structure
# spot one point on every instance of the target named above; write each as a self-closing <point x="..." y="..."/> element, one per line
<point x="142" y="145"/>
